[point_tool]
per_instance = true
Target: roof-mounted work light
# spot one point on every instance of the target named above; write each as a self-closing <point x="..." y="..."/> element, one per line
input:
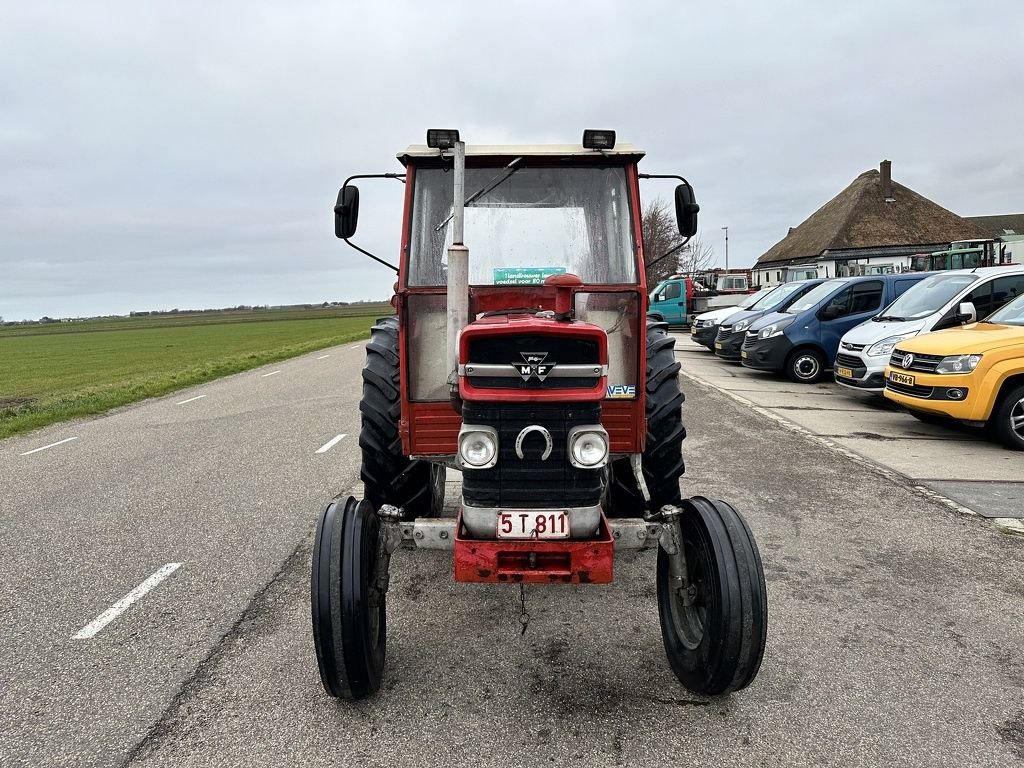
<point x="441" y="138"/>
<point x="599" y="139"/>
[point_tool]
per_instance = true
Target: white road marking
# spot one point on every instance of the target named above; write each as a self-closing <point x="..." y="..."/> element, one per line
<point x="122" y="605"/>
<point x="51" y="445"/>
<point x="330" y="444"/>
<point x="270" y="374"/>
<point x="191" y="399"/>
<point x="357" y="346"/>
<point x="322" y="357"/>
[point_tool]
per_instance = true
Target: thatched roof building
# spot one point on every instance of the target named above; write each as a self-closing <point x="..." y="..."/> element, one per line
<point x="1002" y="226"/>
<point x="874" y="216"/>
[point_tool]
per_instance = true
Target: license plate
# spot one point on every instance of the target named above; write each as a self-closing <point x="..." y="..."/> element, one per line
<point x="844" y="372"/>
<point x="743" y="353"/>
<point x="718" y="345"/>
<point x="533" y="524"/>
<point x="901" y="378"/>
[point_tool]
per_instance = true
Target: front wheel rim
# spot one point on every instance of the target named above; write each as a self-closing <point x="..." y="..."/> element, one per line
<point x="806" y="367"/>
<point x="1017" y="419"/>
<point x="690" y="619"/>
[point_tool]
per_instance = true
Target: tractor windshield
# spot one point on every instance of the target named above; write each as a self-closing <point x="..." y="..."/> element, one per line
<point x="535" y="223"/>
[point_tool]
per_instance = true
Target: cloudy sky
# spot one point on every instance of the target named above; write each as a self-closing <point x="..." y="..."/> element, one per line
<point x="158" y="155"/>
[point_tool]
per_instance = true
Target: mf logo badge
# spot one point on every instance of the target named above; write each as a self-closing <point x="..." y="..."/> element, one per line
<point x="534" y="365"/>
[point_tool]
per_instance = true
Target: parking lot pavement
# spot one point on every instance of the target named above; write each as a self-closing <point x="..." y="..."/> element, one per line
<point x="957" y="462"/>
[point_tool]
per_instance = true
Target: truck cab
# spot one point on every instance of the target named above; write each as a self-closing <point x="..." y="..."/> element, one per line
<point x="678" y="299"/>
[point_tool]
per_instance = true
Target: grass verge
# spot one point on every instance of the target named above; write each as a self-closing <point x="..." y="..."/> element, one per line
<point x="49" y="377"/>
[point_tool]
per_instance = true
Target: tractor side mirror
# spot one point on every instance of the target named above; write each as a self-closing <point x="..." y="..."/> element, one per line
<point x="686" y="210"/>
<point x="967" y="314"/>
<point x="346" y="212"/>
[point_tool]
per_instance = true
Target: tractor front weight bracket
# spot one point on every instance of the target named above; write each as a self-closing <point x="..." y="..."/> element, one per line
<point x="672" y="542"/>
<point x="388" y="540"/>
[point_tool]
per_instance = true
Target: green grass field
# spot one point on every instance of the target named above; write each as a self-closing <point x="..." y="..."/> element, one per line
<point x="58" y="371"/>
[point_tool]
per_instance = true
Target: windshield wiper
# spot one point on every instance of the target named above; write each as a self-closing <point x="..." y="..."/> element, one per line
<point x="499" y="179"/>
<point x="886" y="318"/>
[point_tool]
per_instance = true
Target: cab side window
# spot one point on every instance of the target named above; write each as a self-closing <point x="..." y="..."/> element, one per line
<point x="1005" y="289"/>
<point x="838" y="306"/>
<point x="981" y="298"/>
<point x="867" y="297"/>
<point x="670" y="291"/>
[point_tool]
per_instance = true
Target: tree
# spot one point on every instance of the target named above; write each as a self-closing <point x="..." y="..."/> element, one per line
<point x="661" y="235"/>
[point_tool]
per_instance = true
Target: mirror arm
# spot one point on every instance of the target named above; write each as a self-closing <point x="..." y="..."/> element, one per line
<point x="663" y="176"/>
<point x="401" y="178"/>
<point x="367" y="253"/>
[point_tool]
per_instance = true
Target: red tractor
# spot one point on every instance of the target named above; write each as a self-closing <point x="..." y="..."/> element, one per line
<point x="530" y="367"/>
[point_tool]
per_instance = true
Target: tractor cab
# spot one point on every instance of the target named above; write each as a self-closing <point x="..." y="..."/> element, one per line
<point x="521" y="354"/>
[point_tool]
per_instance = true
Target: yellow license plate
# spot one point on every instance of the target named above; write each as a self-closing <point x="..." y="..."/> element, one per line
<point x="844" y="372"/>
<point x="718" y="345"/>
<point x="743" y="353"/>
<point x="901" y="378"/>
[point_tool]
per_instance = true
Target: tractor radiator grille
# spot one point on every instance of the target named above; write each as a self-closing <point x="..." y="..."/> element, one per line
<point x="533" y="361"/>
<point x="531" y="483"/>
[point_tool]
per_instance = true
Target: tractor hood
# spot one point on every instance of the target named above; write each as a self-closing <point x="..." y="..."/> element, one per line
<point x="526" y="357"/>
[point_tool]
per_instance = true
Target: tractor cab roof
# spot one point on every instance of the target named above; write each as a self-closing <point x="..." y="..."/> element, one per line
<point x="421" y="152"/>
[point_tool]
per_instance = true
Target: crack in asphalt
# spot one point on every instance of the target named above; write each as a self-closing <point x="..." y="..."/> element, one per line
<point x="253" y="614"/>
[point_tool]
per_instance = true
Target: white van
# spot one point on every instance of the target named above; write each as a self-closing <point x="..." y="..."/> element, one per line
<point x="944" y="300"/>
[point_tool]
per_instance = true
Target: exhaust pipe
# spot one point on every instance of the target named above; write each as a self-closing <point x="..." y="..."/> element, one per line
<point x="458" y="268"/>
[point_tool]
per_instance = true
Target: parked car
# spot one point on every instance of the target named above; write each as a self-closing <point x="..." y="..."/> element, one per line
<point x="705" y="326"/>
<point x="945" y="300"/>
<point x="802" y="341"/>
<point x="973" y="374"/>
<point x="730" y="333"/>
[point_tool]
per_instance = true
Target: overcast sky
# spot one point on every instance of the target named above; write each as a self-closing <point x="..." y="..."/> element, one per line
<point x="158" y="155"/>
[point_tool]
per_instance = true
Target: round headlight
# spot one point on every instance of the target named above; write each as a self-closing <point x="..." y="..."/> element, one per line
<point x="478" y="449"/>
<point x="589" y="449"/>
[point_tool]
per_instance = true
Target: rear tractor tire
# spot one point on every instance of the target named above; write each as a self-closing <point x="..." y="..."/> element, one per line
<point x="663" y="452"/>
<point x="388" y="475"/>
<point x="714" y="628"/>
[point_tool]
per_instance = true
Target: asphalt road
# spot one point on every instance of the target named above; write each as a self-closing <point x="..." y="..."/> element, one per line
<point x="894" y="638"/>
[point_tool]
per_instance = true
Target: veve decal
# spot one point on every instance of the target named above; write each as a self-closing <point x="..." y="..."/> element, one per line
<point x="620" y="391"/>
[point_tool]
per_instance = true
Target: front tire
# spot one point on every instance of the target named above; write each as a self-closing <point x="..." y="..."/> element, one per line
<point x="1007" y="421"/>
<point x="805" y="366"/>
<point x="390" y="477"/>
<point x="663" y="450"/>
<point x="348" y="610"/>
<point x="715" y="634"/>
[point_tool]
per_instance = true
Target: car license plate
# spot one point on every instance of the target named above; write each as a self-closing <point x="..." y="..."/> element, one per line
<point x="718" y="345"/>
<point x="743" y="353"/>
<point x="533" y="524"/>
<point x="844" y="372"/>
<point x="901" y="378"/>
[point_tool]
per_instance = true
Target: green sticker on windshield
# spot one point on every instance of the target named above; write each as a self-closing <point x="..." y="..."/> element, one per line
<point x="525" y="275"/>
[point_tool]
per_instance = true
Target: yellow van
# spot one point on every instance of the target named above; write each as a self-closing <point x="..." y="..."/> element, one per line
<point x="974" y="374"/>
